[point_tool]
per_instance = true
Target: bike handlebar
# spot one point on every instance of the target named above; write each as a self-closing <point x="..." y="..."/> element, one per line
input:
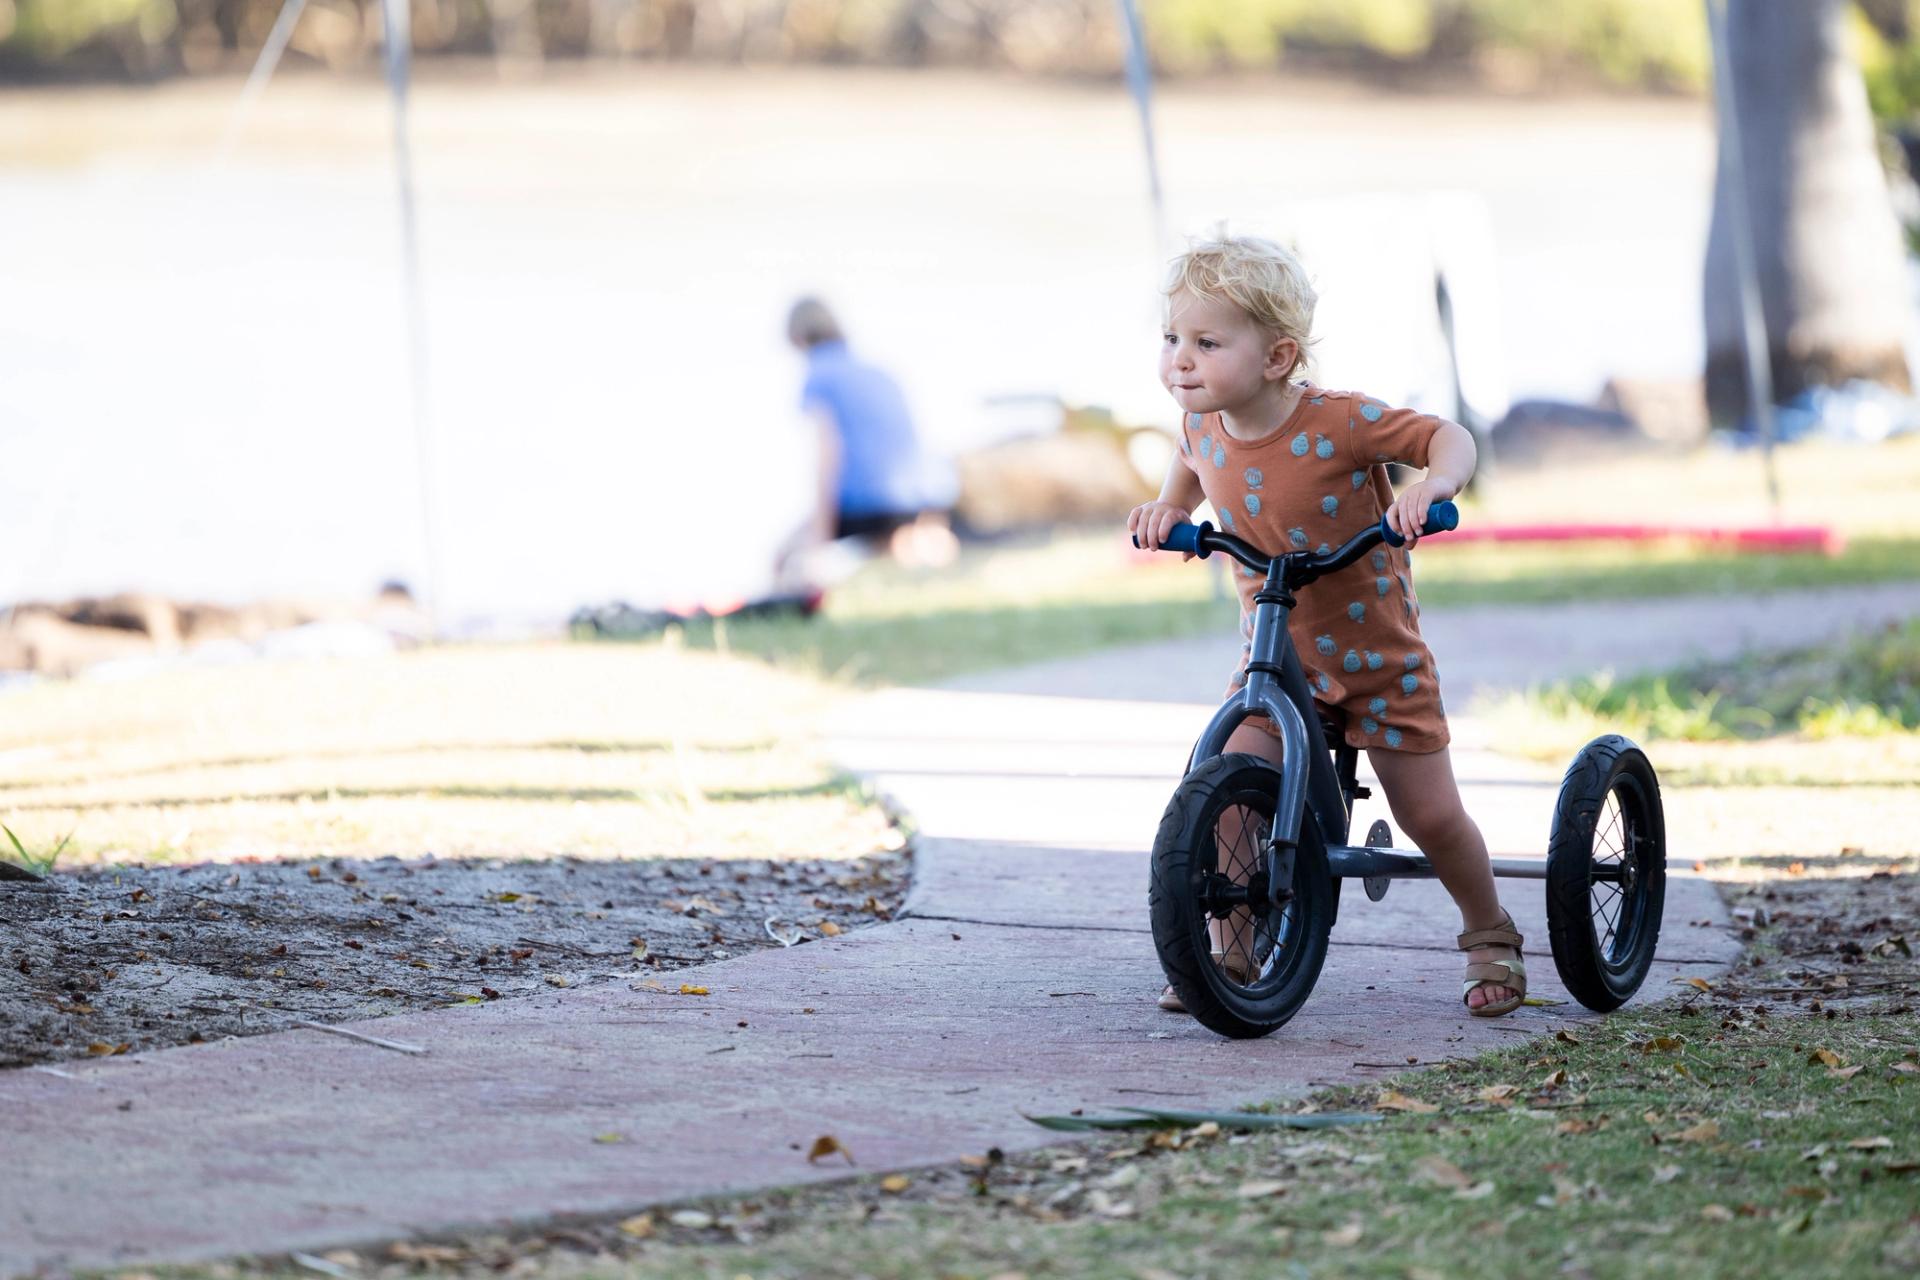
<point x="1203" y="540"/>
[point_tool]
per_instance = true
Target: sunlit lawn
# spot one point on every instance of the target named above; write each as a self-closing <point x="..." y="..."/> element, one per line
<point x="526" y="751"/>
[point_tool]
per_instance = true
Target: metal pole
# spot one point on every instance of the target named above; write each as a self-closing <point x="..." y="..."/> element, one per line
<point x="399" y="32"/>
<point x="263" y="68"/>
<point x="1759" y="358"/>
<point x="1140" y="85"/>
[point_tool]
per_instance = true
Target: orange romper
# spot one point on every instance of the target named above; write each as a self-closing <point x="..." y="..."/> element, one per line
<point x="1309" y="486"/>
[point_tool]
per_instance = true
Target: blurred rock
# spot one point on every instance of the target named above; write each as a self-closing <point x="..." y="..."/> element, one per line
<point x="1670" y="412"/>
<point x="1075" y="476"/>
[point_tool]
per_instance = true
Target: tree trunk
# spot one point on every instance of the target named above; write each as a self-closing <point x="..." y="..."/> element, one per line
<point x="1831" y="265"/>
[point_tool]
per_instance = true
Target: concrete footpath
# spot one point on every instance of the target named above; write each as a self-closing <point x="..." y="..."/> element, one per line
<point x="1021" y="980"/>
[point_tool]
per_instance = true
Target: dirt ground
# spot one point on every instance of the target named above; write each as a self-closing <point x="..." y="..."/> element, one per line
<point x="131" y="958"/>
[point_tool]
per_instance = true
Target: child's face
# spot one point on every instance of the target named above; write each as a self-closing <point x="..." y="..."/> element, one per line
<point x="1214" y="358"/>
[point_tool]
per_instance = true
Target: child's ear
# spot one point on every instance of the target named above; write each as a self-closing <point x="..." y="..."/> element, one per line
<point x="1281" y="358"/>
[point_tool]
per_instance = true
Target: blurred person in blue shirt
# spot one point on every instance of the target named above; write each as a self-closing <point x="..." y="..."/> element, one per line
<point x="876" y="484"/>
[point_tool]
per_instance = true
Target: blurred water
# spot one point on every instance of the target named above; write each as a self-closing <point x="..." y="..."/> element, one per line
<point x="203" y="382"/>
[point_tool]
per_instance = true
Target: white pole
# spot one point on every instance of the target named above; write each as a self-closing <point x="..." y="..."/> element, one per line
<point x="399" y="32"/>
<point x="1759" y="358"/>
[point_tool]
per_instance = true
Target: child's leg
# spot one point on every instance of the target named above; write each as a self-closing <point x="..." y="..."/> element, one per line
<point x="1425" y="801"/>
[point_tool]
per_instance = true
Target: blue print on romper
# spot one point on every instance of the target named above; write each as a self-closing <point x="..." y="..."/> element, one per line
<point x="1357" y="611"/>
<point x="1379" y="560"/>
<point x="1255" y="477"/>
<point x="1359" y="478"/>
<point x="1239" y="679"/>
<point x="1325" y="683"/>
<point x="1393" y="737"/>
<point x="1298" y="537"/>
<point x="1185" y="447"/>
<point x="1405" y="585"/>
<point x="1324" y="549"/>
<point x="1382" y="585"/>
<point x="1378" y="706"/>
<point x="1371" y="412"/>
<point x="1375" y="661"/>
<point x="1351" y="662"/>
<point x="1299" y="445"/>
<point x="1318" y="400"/>
<point x="1196" y="420"/>
<point x="1325" y="645"/>
<point x="1206" y="445"/>
<point x="1323" y="446"/>
<point x="1413" y="662"/>
<point x="1408" y="684"/>
<point x="1253" y="504"/>
<point x="1330" y="504"/>
<point x="1369" y="725"/>
<point x="1226" y="518"/>
<point x="1219" y="455"/>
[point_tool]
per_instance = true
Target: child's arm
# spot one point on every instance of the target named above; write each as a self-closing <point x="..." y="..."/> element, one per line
<point x="1151" y="522"/>
<point x="1451" y="456"/>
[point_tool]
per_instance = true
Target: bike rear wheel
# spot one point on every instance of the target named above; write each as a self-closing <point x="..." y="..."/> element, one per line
<point x="1209" y="866"/>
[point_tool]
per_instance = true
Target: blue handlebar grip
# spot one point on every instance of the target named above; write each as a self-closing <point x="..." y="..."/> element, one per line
<point x="1186" y="537"/>
<point x="1441" y="516"/>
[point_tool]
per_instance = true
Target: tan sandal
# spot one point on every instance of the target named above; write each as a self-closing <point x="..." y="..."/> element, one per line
<point x="1495" y="973"/>
<point x="1236" y="968"/>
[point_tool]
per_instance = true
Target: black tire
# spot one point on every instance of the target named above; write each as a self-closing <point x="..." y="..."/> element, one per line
<point x="1609" y="820"/>
<point x="1289" y="945"/>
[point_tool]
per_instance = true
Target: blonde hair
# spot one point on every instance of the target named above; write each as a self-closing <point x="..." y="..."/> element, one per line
<point x="1262" y="278"/>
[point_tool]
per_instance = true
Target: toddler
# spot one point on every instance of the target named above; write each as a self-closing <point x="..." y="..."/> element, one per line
<point x="1289" y="466"/>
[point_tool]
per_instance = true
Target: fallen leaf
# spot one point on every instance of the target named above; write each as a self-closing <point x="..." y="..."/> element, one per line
<point x="555" y="980"/>
<point x="1845" y="1073"/>
<point x="1260" y="1189"/>
<point x="608" y="1139"/>
<point x="828" y="929"/>
<point x="1665" y="1173"/>
<point x="1716" y="1213"/>
<point x="1393" y="1100"/>
<point x="826" y="1145"/>
<point x="1661" y="1044"/>
<point x="1907" y="1068"/>
<point x="1870" y="1144"/>
<point x="692" y="1219"/>
<point x="1499" y="1094"/>
<point x="1343" y="1238"/>
<point x="1827" y="1056"/>
<point x="639" y="949"/>
<point x="425" y="1254"/>
<point x="639" y="1227"/>
<point x="1441" y="1172"/>
<point x="1566" y="1037"/>
<point x="1554" y="1079"/>
<point x="1699" y="984"/>
<point x="101" y="1049"/>
<point x="1575" y="1126"/>
<point x="688" y="989"/>
<point x="894" y="1183"/>
<point x="1478" y="1191"/>
<point x="1107" y="1207"/>
<point x="1705" y="1131"/>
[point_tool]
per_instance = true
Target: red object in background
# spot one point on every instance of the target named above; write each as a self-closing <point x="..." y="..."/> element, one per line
<point x="1802" y="539"/>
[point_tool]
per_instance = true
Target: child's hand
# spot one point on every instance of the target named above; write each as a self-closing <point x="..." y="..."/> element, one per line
<point x="1151" y="522"/>
<point x="1408" y="514"/>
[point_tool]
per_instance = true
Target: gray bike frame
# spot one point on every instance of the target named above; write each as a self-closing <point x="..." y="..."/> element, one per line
<point x="1276" y="688"/>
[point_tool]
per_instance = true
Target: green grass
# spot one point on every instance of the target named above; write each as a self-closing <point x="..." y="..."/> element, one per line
<point x="1004" y="606"/>
<point x="1522" y="573"/>
<point x="38" y="864"/>
<point x="1866" y="686"/>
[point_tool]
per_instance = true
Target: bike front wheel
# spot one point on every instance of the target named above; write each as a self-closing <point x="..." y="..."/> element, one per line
<point x="1242" y="966"/>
